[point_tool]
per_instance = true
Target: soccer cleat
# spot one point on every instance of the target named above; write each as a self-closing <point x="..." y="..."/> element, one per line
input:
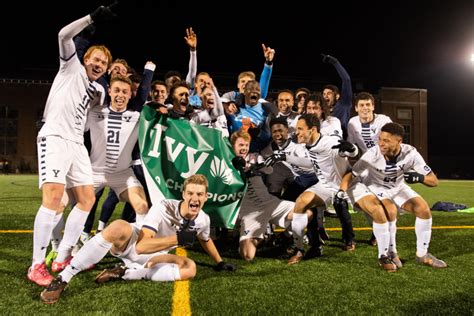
<point x="313" y="252"/>
<point x="349" y="246"/>
<point x="50" y="258"/>
<point x="297" y="257"/>
<point x="395" y="259"/>
<point x="387" y="264"/>
<point x="60" y="266"/>
<point x="112" y="274"/>
<point x="39" y="274"/>
<point x="432" y="261"/>
<point x="51" y="294"/>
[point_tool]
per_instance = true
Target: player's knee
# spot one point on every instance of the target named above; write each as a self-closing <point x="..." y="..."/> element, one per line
<point x="246" y="253"/>
<point x="52" y="196"/>
<point x="423" y="212"/>
<point x="187" y="270"/>
<point x="86" y="201"/>
<point x="141" y="207"/>
<point x="118" y="229"/>
<point x="303" y="201"/>
<point x="377" y="213"/>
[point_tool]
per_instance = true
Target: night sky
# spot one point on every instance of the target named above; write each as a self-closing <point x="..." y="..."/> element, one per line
<point x="417" y="44"/>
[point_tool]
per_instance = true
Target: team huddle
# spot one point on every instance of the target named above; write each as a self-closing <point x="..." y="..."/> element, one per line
<point x="298" y="156"/>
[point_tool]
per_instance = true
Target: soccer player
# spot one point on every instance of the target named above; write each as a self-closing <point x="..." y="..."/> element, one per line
<point x="145" y="251"/>
<point x="63" y="161"/>
<point x="330" y="125"/>
<point x="328" y="154"/>
<point x="339" y="101"/>
<point x="259" y="207"/>
<point x="114" y="132"/>
<point x="285" y="103"/>
<point x="364" y="129"/>
<point x="383" y="169"/>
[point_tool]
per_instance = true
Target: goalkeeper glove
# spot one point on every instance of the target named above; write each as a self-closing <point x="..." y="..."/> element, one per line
<point x="104" y="14"/>
<point x="273" y="159"/>
<point x="223" y="266"/>
<point x="414" y="177"/>
<point x="328" y="59"/>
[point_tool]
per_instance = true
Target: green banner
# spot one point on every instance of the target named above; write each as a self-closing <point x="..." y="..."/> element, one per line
<point x="172" y="150"/>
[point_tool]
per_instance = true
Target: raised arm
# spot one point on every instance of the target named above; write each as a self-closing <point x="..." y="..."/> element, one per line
<point x="266" y="75"/>
<point x="191" y="40"/>
<point x="144" y="89"/>
<point x="66" y="44"/>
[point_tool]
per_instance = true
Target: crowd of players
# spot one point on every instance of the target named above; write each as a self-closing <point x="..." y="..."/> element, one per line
<point x="300" y="155"/>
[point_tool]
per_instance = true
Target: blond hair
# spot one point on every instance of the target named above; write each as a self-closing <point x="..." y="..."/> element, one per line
<point x="196" y="179"/>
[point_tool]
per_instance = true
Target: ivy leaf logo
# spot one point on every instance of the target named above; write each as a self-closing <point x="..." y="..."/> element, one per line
<point x="219" y="169"/>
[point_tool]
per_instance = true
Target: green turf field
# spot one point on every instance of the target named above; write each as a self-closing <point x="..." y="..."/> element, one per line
<point x="338" y="283"/>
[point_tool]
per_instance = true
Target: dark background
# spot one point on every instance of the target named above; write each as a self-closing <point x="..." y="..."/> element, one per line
<point x="409" y="44"/>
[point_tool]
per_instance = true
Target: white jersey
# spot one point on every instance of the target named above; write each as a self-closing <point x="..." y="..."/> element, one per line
<point x="72" y="93"/>
<point x="165" y="219"/>
<point x="290" y="148"/>
<point x="291" y="119"/>
<point x="329" y="166"/>
<point x="331" y="126"/>
<point x="379" y="174"/>
<point x="113" y="136"/>
<point x="366" y="135"/>
<point x="203" y="118"/>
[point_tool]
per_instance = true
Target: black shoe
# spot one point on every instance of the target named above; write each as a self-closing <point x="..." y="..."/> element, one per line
<point x="314" y="252"/>
<point x="111" y="274"/>
<point x="372" y="241"/>
<point x="349" y="246"/>
<point x="52" y="292"/>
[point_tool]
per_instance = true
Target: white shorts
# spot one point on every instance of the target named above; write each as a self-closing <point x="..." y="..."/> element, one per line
<point x="324" y="191"/>
<point x="63" y="161"/>
<point x="398" y="195"/>
<point x="254" y="220"/>
<point x="357" y="191"/>
<point x="130" y="256"/>
<point x="119" y="181"/>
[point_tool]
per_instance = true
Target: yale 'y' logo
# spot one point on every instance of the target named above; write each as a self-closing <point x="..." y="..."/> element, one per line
<point x="56" y="172"/>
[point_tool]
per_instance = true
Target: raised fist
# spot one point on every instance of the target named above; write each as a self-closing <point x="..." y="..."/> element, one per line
<point x="328" y="59"/>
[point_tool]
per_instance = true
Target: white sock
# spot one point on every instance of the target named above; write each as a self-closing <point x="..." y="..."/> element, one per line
<point x="43" y="228"/>
<point x="160" y="272"/>
<point x="163" y="272"/>
<point x="136" y="274"/>
<point x="101" y="226"/>
<point x="423" y="235"/>
<point x="139" y="218"/>
<point x="92" y="252"/>
<point x="392" y="228"/>
<point x="299" y="223"/>
<point x="383" y="237"/>
<point x="57" y="235"/>
<point x="74" y="226"/>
